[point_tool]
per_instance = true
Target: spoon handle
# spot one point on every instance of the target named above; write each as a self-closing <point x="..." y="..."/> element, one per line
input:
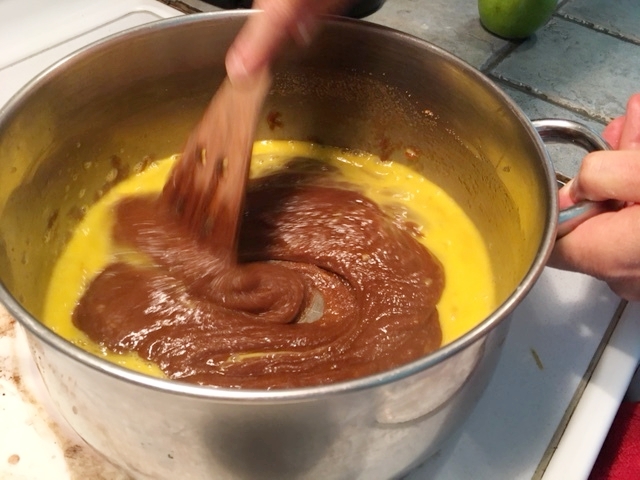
<point x="208" y="182"/>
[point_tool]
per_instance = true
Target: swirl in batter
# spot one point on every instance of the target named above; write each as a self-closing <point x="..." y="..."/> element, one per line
<point x="327" y="287"/>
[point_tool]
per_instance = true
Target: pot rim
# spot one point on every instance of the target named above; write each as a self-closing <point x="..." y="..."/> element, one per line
<point x="65" y="347"/>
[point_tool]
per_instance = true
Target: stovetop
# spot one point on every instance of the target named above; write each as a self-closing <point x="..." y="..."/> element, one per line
<point x="565" y="366"/>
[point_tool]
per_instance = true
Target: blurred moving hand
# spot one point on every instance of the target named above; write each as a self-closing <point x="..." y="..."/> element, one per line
<point x="280" y="21"/>
<point x="607" y="246"/>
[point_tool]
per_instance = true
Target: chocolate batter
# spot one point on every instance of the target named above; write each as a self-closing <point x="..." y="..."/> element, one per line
<point x="326" y="288"/>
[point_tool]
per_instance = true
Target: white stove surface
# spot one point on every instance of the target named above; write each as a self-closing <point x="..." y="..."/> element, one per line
<point x="566" y="357"/>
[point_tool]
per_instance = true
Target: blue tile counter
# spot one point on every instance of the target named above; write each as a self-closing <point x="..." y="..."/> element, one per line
<point x="619" y="18"/>
<point x="576" y="67"/>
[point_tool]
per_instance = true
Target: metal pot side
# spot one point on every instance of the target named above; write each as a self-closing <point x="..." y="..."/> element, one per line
<point x="95" y="115"/>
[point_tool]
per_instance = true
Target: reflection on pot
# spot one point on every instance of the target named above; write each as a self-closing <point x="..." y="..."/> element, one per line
<point x="409" y="402"/>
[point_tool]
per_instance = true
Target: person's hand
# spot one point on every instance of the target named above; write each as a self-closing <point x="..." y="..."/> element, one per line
<point x="265" y="33"/>
<point x="607" y="246"/>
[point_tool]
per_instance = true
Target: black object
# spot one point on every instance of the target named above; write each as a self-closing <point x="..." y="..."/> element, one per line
<point x="364" y="8"/>
<point x="360" y="9"/>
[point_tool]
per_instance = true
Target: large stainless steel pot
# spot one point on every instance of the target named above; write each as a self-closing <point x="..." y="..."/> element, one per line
<point x="96" y="114"/>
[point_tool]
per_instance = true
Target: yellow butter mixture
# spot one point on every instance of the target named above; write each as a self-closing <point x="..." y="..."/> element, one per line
<point x="439" y="224"/>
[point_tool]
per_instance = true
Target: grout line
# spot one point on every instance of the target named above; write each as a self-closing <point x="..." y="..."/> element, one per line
<point x="495" y="58"/>
<point x="557" y="101"/>
<point x="596" y="28"/>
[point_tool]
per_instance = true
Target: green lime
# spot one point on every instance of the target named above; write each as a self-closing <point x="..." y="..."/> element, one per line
<point x="515" y="18"/>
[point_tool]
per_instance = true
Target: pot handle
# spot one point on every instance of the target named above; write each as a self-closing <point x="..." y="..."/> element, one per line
<point x="567" y="131"/>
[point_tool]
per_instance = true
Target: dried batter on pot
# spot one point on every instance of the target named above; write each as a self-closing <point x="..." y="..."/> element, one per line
<point x="307" y="249"/>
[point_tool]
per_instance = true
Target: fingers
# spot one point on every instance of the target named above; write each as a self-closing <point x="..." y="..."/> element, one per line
<point x="612" y="175"/>
<point x="605" y="247"/>
<point x="258" y="41"/>
<point x="264" y="34"/>
<point x="627" y="288"/>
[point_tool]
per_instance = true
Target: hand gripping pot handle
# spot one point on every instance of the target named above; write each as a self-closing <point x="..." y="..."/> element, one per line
<point x="567" y="131"/>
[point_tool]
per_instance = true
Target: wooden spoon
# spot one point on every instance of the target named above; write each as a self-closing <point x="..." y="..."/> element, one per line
<point x="208" y="182"/>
